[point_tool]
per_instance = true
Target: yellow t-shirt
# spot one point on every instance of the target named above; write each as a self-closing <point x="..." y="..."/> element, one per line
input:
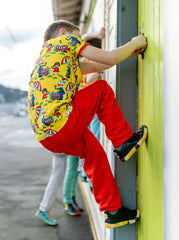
<point x="54" y="81"/>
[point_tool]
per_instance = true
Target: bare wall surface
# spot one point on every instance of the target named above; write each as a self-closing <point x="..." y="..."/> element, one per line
<point x="150" y="113"/>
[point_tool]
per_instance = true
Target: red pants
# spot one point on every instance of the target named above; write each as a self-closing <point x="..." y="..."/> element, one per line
<point x="76" y="139"/>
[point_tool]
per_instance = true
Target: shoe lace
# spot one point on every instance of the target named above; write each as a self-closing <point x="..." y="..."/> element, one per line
<point x="50" y="216"/>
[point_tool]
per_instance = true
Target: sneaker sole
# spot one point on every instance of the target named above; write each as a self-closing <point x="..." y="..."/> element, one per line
<point x="72" y="214"/>
<point x="134" y="149"/>
<point x="51" y="224"/>
<point x="120" y="224"/>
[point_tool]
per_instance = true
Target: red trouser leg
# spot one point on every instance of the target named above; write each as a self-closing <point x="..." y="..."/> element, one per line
<point x="75" y="139"/>
<point x="97" y="168"/>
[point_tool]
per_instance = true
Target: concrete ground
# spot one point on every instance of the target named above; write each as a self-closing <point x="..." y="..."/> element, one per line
<point x="24" y="171"/>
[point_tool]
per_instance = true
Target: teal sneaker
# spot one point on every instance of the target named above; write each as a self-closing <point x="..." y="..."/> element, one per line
<point x="122" y="217"/>
<point x="70" y="210"/>
<point x="46" y="217"/>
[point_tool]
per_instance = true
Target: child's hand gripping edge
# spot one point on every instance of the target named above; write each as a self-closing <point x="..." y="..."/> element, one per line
<point x="143" y="41"/>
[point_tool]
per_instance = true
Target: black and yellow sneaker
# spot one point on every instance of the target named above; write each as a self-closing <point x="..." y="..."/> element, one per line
<point x="127" y="149"/>
<point x="123" y="217"/>
<point x="70" y="210"/>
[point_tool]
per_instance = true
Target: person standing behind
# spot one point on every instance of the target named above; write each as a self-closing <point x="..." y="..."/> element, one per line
<point x="71" y="176"/>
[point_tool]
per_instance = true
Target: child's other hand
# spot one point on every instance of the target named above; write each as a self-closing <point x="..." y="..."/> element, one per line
<point x="140" y="42"/>
<point x="101" y="33"/>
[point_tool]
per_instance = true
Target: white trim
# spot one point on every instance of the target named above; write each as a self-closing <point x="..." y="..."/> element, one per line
<point x="95" y="216"/>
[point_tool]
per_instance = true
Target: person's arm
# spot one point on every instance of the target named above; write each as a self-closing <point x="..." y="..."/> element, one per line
<point x="92" y="67"/>
<point x="117" y="55"/>
<point x="100" y="35"/>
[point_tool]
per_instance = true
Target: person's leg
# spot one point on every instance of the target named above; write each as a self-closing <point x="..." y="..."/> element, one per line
<point x="56" y="176"/>
<point x="98" y="98"/>
<point x="95" y="127"/>
<point x="80" y="168"/>
<point x="74" y="187"/>
<point x="96" y="165"/>
<point x="70" y="186"/>
<point x="70" y="180"/>
<point x="75" y="139"/>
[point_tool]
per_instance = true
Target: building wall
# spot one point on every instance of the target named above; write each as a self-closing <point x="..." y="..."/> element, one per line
<point x="149" y="109"/>
<point x="171" y="118"/>
<point x="150" y="113"/>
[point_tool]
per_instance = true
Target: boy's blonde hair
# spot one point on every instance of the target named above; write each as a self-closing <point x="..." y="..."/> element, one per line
<point x="53" y="29"/>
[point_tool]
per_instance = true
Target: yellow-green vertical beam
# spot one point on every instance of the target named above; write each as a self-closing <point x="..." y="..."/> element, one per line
<point x="150" y="112"/>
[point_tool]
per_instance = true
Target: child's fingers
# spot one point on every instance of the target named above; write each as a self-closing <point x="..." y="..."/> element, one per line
<point x="140" y="41"/>
<point x="141" y="50"/>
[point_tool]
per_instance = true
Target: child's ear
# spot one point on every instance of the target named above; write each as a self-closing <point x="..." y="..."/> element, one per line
<point x="62" y="31"/>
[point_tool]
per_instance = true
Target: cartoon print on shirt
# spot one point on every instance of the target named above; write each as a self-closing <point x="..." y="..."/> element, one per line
<point x="68" y="72"/>
<point x="76" y="82"/>
<point x="45" y="44"/>
<point x="32" y="99"/>
<point x="57" y="113"/>
<point x="61" y="48"/>
<point x="59" y="94"/>
<point x="36" y="124"/>
<point x="44" y="113"/>
<point x="74" y="66"/>
<point x="46" y="121"/>
<point x="74" y="41"/>
<point x="69" y="88"/>
<point x="56" y="68"/>
<point x="39" y="62"/>
<point x="49" y="132"/>
<point x="37" y="111"/>
<point x="33" y="127"/>
<point x="67" y="111"/>
<point x="45" y="94"/>
<point x="43" y="71"/>
<point x="65" y="60"/>
<point x="49" y="48"/>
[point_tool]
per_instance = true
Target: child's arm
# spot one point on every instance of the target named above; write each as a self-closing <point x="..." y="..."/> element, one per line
<point x="116" y="55"/>
<point x="92" y="67"/>
<point x="100" y="35"/>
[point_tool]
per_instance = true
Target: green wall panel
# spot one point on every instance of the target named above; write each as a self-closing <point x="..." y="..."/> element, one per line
<point x="150" y="113"/>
